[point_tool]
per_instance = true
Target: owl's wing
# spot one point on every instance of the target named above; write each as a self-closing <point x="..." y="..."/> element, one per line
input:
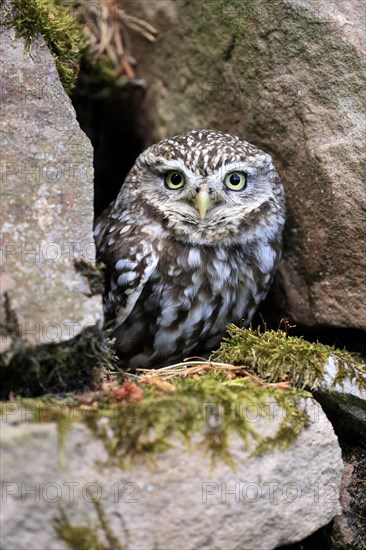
<point x="128" y="280"/>
<point x="130" y="260"/>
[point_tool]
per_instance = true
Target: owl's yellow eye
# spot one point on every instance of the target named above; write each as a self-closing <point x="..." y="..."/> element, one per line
<point x="236" y="181"/>
<point x="174" y="180"/>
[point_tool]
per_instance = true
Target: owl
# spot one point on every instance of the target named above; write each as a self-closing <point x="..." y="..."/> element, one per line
<point x="190" y="244"/>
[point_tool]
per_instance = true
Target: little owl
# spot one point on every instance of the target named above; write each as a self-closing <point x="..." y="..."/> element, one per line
<point x="190" y="244"/>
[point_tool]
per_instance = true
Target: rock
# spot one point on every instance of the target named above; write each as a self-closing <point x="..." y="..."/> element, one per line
<point x="348" y="385"/>
<point x="276" y="498"/>
<point x="349" y="528"/>
<point x="345" y="403"/>
<point x="46" y="202"/>
<point x="289" y="77"/>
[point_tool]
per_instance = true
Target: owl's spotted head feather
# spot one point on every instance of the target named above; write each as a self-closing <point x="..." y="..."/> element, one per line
<point x="204" y="186"/>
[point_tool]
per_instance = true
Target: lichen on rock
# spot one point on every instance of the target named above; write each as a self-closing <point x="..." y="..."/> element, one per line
<point x="60" y="30"/>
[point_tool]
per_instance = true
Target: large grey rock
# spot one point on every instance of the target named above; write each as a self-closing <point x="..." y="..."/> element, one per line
<point x="346" y="402"/>
<point x="46" y="201"/>
<point x="289" y="76"/>
<point x="277" y="498"/>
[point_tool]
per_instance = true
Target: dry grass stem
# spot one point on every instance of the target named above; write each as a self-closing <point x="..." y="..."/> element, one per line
<point x="106" y="25"/>
<point x="191" y="368"/>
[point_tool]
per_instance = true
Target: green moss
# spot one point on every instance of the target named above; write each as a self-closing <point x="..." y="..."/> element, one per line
<point x="62" y="33"/>
<point x="277" y="357"/>
<point x="147" y="415"/>
<point x="63" y="427"/>
<point x="83" y="537"/>
<point x="74" y="365"/>
<point x="46" y="410"/>
<point x="86" y="537"/>
<point x="201" y="413"/>
<point x="95" y="275"/>
<point x="290" y="426"/>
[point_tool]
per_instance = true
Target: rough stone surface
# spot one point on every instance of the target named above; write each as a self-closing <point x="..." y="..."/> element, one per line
<point x="287" y="75"/>
<point x="46" y="201"/>
<point x="277" y="498"/>
<point x="345" y="404"/>
<point x="349" y="528"/>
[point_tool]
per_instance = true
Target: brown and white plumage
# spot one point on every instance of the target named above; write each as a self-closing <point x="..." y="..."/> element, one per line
<point x="187" y="254"/>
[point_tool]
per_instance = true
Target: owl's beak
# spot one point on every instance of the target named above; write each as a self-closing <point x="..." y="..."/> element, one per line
<point x="202" y="202"/>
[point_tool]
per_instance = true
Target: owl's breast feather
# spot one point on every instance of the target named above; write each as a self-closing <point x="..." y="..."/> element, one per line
<point x="190" y="295"/>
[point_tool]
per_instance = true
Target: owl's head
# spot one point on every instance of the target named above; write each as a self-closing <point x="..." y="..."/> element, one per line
<point x="205" y="186"/>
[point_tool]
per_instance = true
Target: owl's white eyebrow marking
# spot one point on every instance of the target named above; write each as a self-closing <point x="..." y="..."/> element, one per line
<point x="163" y="164"/>
<point x="236" y="166"/>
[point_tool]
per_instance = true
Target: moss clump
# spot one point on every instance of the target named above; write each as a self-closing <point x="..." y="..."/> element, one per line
<point x="200" y="412"/>
<point x="276" y="357"/>
<point x="200" y="404"/>
<point x="79" y="537"/>
<point x="94" y="273"/>
<point x="86" y="537"/>
<point x="69" y="366"/>
<point x="146" y="416"/>
<point x="62" y="33"/>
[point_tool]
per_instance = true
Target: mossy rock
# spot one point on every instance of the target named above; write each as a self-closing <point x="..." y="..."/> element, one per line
<point x="276" y="356"/>
<point x="176" y="454"/>
<point x="177" y="442"/>
<point x="71" y="366"/>
<point x="60" y="30"/>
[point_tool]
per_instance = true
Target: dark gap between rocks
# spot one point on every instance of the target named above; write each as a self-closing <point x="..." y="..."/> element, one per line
<point x="111" y="118"/>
